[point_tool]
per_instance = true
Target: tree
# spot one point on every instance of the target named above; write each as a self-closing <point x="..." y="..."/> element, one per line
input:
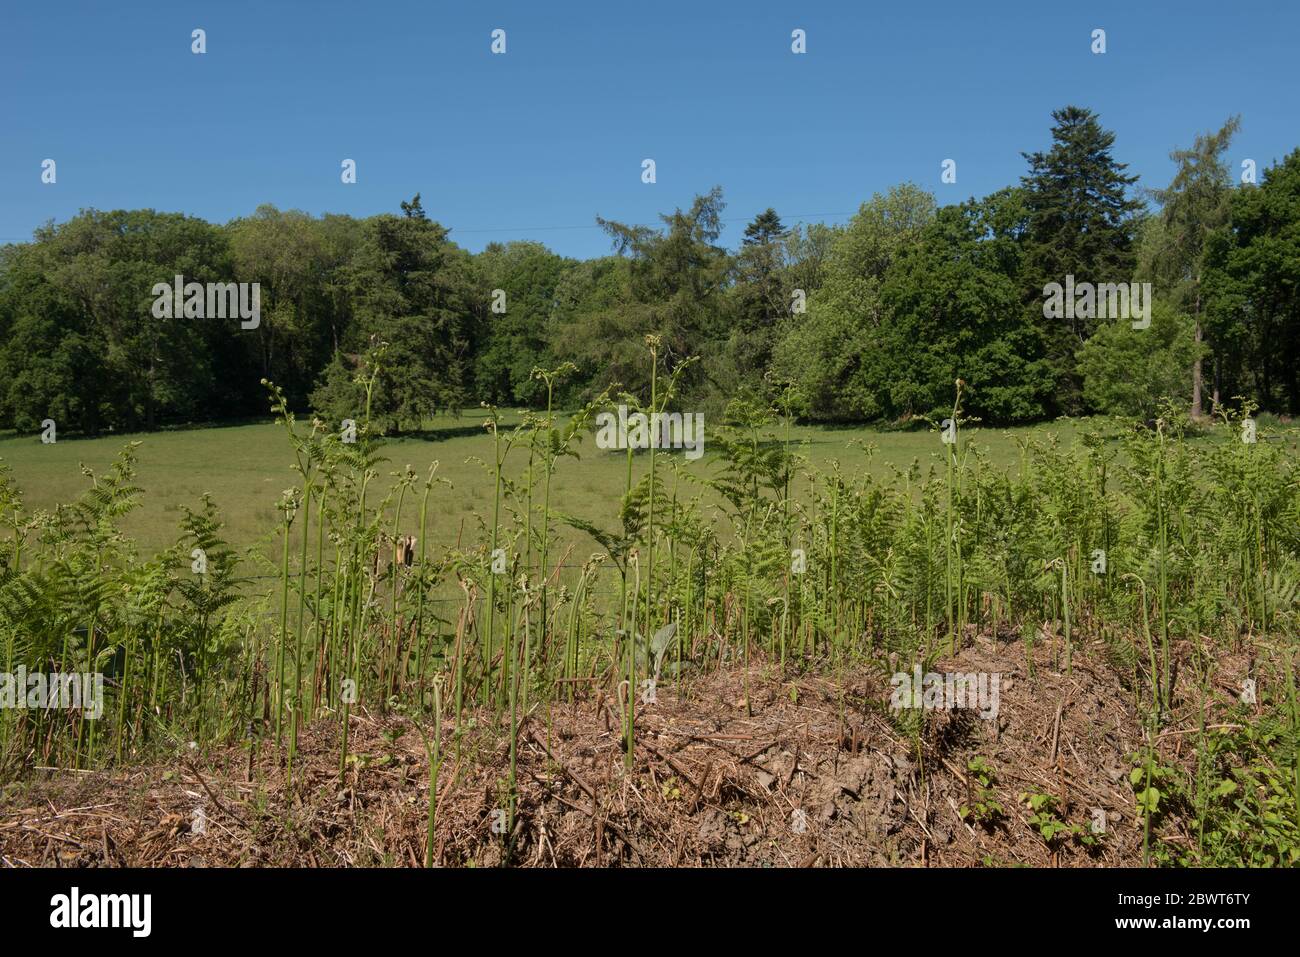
<point x="1252" y="290"/>
<point x="830" y="351"/>
<point x="807" y="250"/>
<point x="952" y="310"/>
<point x="290" y="255"/>
<point x="338" y="394"/>
<point x="516" y="342"/>
<point x="1081" y="222"/>
<point x="1197" y="202"/>
<point x="590" y="328"/>
<point x="676" y="279"/>
<point x="82" y="338"/>
<point x="412" y="289"/>
<point x="1128" y="371"/>
<point x="760" y="298"/>
<point x="764" y="229"/>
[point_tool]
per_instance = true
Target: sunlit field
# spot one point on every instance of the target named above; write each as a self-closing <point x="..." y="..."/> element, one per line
<point x="245" y="468"/>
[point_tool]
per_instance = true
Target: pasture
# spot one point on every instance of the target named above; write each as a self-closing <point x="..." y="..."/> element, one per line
<point x="245" y="467"/>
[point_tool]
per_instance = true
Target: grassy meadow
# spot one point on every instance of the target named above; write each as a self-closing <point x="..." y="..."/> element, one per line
<point x="245" y="467"/>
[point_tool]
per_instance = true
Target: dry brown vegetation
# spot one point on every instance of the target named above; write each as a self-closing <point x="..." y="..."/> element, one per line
<point x="718" y="780"/>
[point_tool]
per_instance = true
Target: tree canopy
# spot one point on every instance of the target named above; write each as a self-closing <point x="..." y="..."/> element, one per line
<point x="873" y="319"/>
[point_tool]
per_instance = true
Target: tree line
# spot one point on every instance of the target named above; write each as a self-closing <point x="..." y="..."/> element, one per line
<point x="872" y="320"/>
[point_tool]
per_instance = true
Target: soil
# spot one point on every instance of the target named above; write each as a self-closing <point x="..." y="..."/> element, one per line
<point x="731" y="769"/>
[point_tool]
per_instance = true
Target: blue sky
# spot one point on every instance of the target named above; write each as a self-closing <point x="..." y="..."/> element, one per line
<point x="535" y="143"/>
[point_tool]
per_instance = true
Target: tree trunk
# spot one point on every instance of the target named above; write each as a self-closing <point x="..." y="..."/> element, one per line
<point x="1196" y="365"/>
<point x="1196" y="377"/>
<point x="148" y="393"/>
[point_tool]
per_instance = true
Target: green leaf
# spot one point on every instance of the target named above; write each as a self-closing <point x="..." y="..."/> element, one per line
<point x="661" y="638"/>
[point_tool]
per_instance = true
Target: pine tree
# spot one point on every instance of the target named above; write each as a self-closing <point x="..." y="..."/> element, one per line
<point x="766" y="228"/>
<point x="1081" y="222"/>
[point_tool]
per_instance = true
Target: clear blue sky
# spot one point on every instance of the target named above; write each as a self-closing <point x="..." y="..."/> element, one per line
<point x="553" y="132"/>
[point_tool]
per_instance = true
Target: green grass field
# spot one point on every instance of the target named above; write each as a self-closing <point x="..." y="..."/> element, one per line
<point x="245" y="468"/>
